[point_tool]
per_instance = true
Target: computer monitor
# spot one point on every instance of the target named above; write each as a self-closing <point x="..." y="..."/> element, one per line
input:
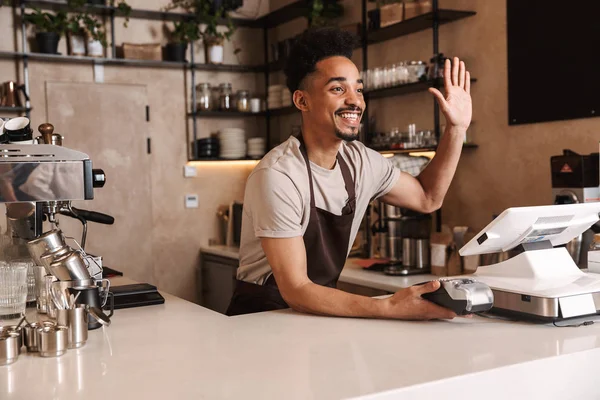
<point x="558" y="224"/>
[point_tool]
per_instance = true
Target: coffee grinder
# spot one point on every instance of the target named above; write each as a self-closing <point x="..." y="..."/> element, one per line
<point x="402" y="239"/>
<point x="575" y="179"/>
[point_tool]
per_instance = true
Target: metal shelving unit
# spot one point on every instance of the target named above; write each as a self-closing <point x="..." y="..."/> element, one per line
<point x="431" y="20"/>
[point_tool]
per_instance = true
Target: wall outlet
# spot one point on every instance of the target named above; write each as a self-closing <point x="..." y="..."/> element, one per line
<point x="189" y="171"/>
<point x="191" y="201"/>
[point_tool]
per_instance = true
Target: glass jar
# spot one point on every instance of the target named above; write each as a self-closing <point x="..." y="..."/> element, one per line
<point x="377" y="78"/>
<point x="243" y="101"/>
<point x="203" y="97"/>
<point x="416" y="69"/>
<point x="225" y="97"/>
<point x="401" y="73"/>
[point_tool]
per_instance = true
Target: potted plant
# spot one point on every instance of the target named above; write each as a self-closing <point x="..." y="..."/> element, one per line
<point x="208" y="14"/>
<point x="76" y="36"/>
<point x="49" y="28"/>
<point x="322" y="12"/>
<point x="214" y="39"/>
<point x="96" y="37"/>
<point x="184" y="32"/>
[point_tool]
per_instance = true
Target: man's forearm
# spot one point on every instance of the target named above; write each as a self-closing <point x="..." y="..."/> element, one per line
<point x="437" y="176"/>
<point x="317" y="299"/>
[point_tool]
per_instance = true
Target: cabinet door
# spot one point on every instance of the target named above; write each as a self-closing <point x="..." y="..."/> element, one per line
<point x="107" y="122"/>
<point x="218" y="275"/>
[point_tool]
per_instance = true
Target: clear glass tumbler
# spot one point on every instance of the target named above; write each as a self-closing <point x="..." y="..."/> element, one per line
<point x="13" y="290"/>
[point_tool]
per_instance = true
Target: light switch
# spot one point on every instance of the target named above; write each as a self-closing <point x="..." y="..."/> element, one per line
<point x="98" y="72"/>
<point x="189" y="171"/>
<point x="191" y="201"/>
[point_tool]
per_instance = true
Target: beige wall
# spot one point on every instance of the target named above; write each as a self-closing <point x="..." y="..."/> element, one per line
<point x="511" y="167"/>
<point x="177" y="232"/>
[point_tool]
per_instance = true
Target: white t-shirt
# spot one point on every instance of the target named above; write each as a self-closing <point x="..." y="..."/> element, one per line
<point x="277" y="197"/>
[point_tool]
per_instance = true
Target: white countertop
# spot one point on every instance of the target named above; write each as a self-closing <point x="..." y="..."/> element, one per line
<point x="179" y="350"/>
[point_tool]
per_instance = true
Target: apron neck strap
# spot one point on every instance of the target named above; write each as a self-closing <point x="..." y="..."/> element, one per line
<point x="348" y="181"/>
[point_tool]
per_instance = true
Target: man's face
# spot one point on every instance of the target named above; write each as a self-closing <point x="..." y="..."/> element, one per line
<point x="334" y="95"/>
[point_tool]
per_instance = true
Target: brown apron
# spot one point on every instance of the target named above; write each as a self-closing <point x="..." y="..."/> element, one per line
<point x="326" y="241"/>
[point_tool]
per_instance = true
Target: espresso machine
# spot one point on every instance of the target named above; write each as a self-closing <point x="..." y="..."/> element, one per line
<point x="401" y="240"/>
<point x="38" y="182"/>
<point x="575" y="179"/>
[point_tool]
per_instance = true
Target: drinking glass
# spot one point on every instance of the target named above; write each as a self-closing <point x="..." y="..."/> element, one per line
<point x="13" y="290"/>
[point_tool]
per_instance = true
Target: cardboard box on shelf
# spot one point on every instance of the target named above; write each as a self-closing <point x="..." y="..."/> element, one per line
<point x="391" y="14"/>
<point x="415" y="8"/>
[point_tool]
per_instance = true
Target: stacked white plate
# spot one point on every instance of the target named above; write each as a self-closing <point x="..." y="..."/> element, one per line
<point x="232" y="142"/>
<point x="286" y="97"/>
<point x="274" y="99"/>
<point x="256" y="147"/>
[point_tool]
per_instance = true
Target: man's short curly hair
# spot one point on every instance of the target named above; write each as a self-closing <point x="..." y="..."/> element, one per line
<point x="313" y="46"/>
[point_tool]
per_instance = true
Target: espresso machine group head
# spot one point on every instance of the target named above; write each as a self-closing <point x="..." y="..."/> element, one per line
<point x="39" y="181"/>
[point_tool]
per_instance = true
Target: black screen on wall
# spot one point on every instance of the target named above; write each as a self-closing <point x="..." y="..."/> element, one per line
<point x="553" y="60"/>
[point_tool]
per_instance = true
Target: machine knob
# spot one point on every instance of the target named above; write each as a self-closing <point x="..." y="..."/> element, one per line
<point x="98" y="178"/>
<point x="46" y="130"/>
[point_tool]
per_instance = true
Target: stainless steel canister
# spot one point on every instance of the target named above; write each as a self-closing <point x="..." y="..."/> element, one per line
<point x="53" y="341"/>
<point x="422" y="254"/>
<point x="70" y="267"/>
<point x="395" y="248"/>
<point x="9" y="348"/>
<point x="8" y="330"/>
<point x="62" y="317"/>
<point x="408" y="252"/>
<point x="392" y="211"/>
<point x="48" y="242"/>
<point x="78" y="326"/>
<point x="31" y="335"/>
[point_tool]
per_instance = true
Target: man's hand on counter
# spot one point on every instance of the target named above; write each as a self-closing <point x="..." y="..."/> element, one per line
<point x="287" y="257"/>
<point x="408" y="304"/>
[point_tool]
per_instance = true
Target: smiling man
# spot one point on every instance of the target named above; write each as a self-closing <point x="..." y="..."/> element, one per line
<point x="305" y="200"/>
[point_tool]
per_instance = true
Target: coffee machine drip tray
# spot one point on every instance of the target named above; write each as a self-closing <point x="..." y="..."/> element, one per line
<point x="397" y="269"/>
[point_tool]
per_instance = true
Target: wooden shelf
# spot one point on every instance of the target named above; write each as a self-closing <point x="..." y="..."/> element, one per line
<point x="130" y="62"/>
<point x="297" y="9"/>
<point x="229" y="68"/>
<point x="282" y="111"/>
<point x="422" y="149"/>
<point x="225" y="114"/>
<point x="11" y="54"/>
<point x="416" y="24"/>
<point x="407" y="88"/>
<point x="224" y="159"/>
<point x="106" y="61"/>
<point x="236" y="114"/>
<point x="135" y="13"/>
<point x="14" y="109"/>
